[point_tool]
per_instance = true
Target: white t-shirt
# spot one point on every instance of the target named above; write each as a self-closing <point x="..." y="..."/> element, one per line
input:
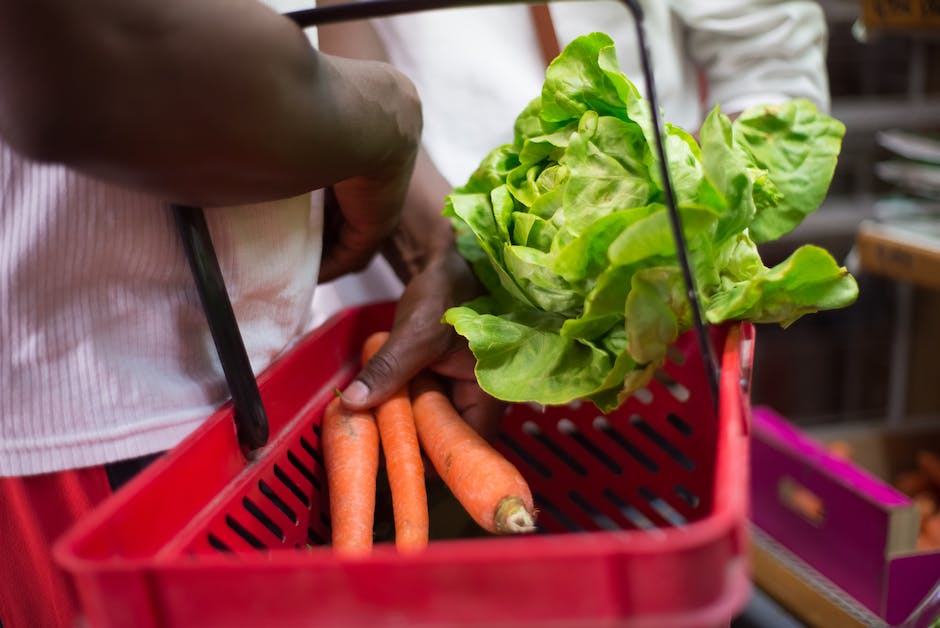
<point x="477" y="68"/>
<point x="106" y="354"/>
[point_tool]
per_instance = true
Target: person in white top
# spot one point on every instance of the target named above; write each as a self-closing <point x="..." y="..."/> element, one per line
<point x="109" y="111"/>
<point x="476" y="68"/>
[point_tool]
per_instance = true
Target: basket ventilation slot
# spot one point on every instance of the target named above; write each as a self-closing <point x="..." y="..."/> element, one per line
<point x="214" y="541"/>
<point x="552" y="511"/>
<point x="304" y="471"/>
<point x="686" y="495"/>
<point x="679" y="392"/>
<point x="291" y="486"/>
<point x="533" y="430"/>
<point x="662" y="442"/>
<point x="600" y="519"/>
<point x="314" y="538"/>
<point x="525" y="456"/>
<point x="676" y="421"/>
<point x="602" y="425"/>
<point x="634" y="516"/>
<point x="310" y="449"/>
<point x="643" y="395"/>
<point x="240" y="530"/>
<point x="279" y="503"/>
<point x="568" y="428"/>
<point x="263" y="519"/>
<point x="664" y="510"/>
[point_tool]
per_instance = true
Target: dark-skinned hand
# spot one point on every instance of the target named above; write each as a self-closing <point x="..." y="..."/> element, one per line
<point x="419" y="340"/>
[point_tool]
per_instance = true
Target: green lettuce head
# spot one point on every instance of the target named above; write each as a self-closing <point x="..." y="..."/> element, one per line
<point x="567" y="230"/>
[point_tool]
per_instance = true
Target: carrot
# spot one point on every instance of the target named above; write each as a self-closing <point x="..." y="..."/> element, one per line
<point x="402" y="461"/>
<point x="807" y="504"/>
<point x="926" y="505"/>
<point x="929" y="463"/>
<point x="931" y="532"/>
<point x="840" y="449"/>
<point x="912" y="482"/>
<point x="488" y="486"/>
<point x="351" y="460"/>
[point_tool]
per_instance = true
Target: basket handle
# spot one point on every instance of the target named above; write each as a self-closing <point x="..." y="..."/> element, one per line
<point x="709" y="358"/>
<point x="251" y="420"/>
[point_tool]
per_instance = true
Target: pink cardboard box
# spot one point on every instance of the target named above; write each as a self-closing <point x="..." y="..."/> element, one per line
<point x="846" y="522"/>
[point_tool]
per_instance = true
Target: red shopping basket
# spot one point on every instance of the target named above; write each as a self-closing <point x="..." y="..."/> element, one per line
<point x="642" y="515"/>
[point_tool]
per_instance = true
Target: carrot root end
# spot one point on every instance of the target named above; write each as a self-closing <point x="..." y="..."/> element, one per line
<point x="512" y="517"/>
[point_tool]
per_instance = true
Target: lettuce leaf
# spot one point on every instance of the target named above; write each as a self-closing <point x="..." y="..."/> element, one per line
<point x="567" y="230"/>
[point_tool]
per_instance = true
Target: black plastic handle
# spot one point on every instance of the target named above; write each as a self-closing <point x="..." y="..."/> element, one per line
<point x="251" y="420"/>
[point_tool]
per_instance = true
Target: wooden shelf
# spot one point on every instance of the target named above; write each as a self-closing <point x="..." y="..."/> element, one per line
<point x="900" y="252"/>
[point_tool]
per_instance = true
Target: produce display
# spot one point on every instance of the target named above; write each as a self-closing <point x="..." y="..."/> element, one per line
<point x="567" y="230"/>
<point x="921" y="483"/>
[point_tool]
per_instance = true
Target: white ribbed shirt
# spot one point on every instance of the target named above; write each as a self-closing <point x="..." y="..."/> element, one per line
<point x="106" y="352"/>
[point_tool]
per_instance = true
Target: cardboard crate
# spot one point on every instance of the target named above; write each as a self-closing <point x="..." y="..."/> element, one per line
<point x="846" y="522"/>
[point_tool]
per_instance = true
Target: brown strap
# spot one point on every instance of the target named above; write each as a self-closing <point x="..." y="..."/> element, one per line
<point x="545" y="31"/>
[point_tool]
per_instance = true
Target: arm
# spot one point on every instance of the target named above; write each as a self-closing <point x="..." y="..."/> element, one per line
<point x="214" y="102"/>
<point x="424" y="256"/>
<point x="758" y="51"/>
<point x="424" y="236"/>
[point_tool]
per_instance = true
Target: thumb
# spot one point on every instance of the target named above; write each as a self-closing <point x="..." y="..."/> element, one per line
<point x="387" y="371"/>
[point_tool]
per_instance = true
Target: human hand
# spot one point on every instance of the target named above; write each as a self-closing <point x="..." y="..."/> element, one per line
<point x="362" y="213"/>
<point x="351" y="234"/>
<point x="419" y="339"/>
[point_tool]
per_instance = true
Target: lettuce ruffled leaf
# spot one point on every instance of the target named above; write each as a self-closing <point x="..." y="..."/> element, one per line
<point x="567" y="230"/>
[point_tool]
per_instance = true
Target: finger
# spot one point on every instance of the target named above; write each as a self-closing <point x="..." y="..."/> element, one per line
<point x="342" y="261"/>
<point x="481" y="411"/>
<point x="391" y="368"/>
<point x="458" y="364"/>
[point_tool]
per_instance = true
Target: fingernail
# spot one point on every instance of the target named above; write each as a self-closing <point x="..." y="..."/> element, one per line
<point x="356" y="392"/>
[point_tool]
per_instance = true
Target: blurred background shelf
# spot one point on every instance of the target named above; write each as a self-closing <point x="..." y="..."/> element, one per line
<point x="840" y="366"/>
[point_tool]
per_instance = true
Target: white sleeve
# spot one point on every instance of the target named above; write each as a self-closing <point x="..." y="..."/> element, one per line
<point x="757" y="51"/>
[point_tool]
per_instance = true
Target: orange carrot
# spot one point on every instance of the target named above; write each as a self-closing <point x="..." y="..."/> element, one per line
<point x="929" y="463"/>
<point x="351" y="459"/>
<point x="931" y="532"/>
<point x="488" y="486"/>
<point x="926" y="505"/>
<point x="840" y="449"/>
<point x="912" y="482"/>
<point x="402" y="461"/>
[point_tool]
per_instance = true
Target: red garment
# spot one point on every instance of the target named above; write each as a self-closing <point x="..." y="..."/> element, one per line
<point x="34" y="512"/>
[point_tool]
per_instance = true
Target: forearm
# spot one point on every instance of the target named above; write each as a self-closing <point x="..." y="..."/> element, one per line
<point x="214" y="102"/>
<point x="423" y="235"/>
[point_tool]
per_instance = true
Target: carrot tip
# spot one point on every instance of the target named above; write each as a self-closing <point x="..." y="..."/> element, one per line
<point x="512" y="517"/>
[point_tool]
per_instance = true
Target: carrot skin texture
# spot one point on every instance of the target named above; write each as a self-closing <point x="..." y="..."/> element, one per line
<point x="404" y="467"/>
<point x="488" y="486"/>
<point x="351" y="457"/>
